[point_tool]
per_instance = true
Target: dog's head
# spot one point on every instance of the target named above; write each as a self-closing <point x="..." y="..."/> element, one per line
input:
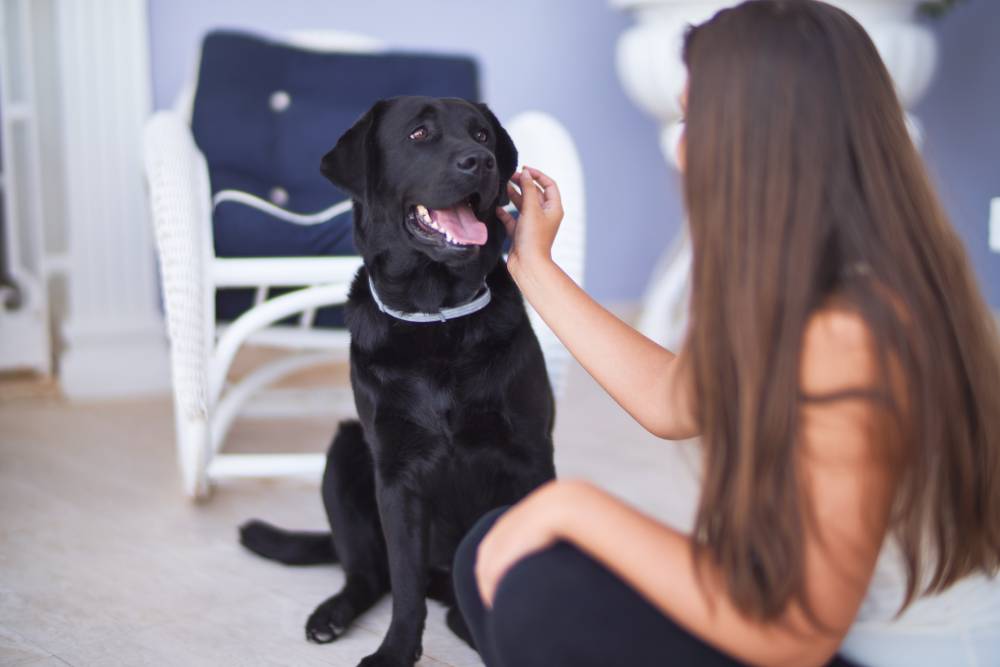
<point x="429" y="173"/>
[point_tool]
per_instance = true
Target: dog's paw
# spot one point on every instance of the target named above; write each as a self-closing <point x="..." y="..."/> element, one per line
<point x="328" y="621"/>
<point x="382" y="659"/>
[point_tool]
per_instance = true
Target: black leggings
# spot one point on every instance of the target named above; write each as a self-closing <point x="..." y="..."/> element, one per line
<point x="561" y="608"/>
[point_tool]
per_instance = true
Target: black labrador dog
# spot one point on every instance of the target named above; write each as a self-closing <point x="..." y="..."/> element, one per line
<point x="454" y="403"/>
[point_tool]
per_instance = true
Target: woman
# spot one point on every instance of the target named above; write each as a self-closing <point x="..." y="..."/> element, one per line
<point x="841" y="370"/>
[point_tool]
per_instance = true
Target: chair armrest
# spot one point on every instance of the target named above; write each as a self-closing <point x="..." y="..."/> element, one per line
<point x="305" y="219"/>
<point x="180" y="202"/>
<point x="284" y="271"/>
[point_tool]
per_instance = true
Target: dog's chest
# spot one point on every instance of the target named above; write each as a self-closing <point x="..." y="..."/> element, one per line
<point x="442" y="391"/>
<point x="438" y="358"/>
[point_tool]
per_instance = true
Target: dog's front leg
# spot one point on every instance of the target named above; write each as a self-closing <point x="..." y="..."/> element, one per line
<point x="405" y="523"/>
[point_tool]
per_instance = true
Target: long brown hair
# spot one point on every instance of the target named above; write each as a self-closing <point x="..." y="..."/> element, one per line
<point x="802" y="182"/>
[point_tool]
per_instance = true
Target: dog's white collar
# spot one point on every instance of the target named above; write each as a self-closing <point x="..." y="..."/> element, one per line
<point x="478" y="303"/>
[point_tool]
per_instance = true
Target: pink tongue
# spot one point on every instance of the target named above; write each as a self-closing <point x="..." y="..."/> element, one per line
<point x="461" y="223"/>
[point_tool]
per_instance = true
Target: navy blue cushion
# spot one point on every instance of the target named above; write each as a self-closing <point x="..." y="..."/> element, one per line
<point x="264" y="115"/>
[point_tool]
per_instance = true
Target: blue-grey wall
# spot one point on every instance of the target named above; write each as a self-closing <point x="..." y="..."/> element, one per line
<point x="961" y="117"/>
<point x="558" y="56"/>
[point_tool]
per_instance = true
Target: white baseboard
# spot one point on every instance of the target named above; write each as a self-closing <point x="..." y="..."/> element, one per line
<point x="115" y="369"/>
<point x="24" y="341"/>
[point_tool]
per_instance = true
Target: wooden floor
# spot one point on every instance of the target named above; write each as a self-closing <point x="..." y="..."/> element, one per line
<point x="104" y="562"/>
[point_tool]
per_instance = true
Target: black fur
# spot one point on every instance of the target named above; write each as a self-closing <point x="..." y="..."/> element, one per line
<point x="455" y="418"/>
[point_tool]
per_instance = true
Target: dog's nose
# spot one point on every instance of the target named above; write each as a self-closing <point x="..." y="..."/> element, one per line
<point x="472" y="163"/>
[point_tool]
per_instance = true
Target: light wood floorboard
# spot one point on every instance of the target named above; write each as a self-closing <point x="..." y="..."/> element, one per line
<point x="104" y="562"/>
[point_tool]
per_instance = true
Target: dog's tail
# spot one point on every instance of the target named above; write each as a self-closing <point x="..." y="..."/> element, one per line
<point x="288" y="547"/>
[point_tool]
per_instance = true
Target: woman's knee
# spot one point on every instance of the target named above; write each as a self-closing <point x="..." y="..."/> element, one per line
<point x="533" y="618"/>
<point x="464" y="566"/>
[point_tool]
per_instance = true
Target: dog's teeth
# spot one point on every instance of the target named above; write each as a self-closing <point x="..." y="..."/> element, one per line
<point x="424" y="214"/>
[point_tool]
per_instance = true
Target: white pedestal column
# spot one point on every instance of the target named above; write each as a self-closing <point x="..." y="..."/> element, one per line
<point x="114" y="335"/>
<point x="651" y="71"/>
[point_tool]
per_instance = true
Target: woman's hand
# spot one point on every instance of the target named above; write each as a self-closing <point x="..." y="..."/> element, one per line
<point x="541" y="212"/>
<point x="637" y="372"/>
<point x="526" y="528"/>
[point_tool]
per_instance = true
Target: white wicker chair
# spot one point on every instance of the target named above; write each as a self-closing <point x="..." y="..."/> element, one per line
<point x="202" y="352"/>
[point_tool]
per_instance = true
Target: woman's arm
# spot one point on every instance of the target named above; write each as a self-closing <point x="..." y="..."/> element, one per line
<point x="846" y="480"/>
<point x="647" y="380"/>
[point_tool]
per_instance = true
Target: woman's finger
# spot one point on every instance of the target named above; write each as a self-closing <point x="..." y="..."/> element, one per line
<point x="484" y="581"/>
<point x="543" y="179"/>
<point x="509" y="223"/>
<point x="486" y="591"/>
<point x="552" y="196"/>
<point x="530" y="192"/>
<point x="514" y="195"/>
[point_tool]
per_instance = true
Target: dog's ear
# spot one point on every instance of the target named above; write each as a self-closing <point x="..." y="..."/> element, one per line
<point x="346" y="164"/>
<point x="506" y="153"/>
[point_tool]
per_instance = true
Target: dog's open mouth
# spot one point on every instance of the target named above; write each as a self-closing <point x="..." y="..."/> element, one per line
<point x="457" y="225"/>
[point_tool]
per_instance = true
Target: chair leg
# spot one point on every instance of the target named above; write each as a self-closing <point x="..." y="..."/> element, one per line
<point x="193" y="443"/>
<point x="236" y="396"/>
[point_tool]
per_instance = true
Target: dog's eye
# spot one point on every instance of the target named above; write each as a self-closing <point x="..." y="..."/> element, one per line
<point x="419" y="134"/>
<point x="481" y="136"/>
